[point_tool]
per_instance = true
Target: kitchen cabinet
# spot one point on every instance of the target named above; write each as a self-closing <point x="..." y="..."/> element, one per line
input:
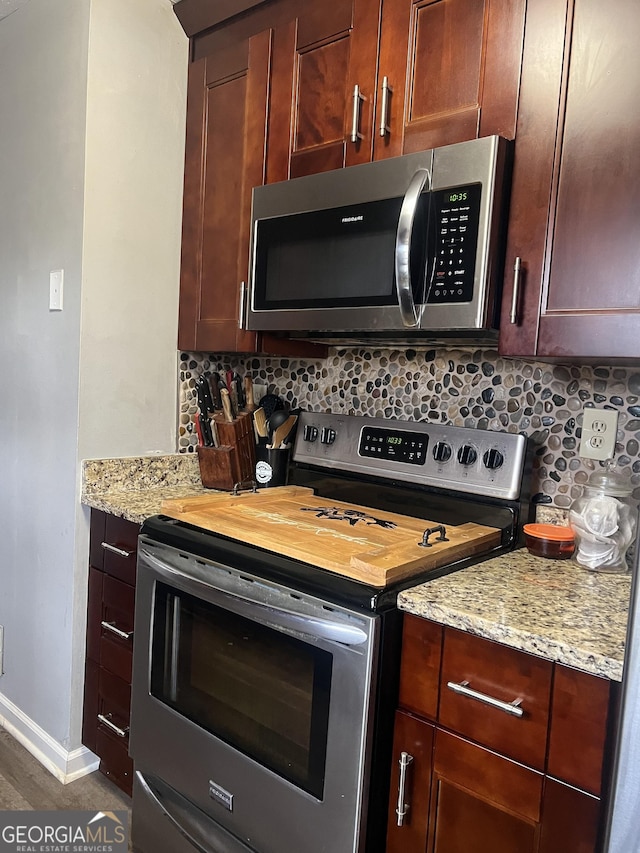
<point x="107" y="692"/>
<point x="503" y="750"/>
<point x="292" y="87"/>
<point x="454" y="68"/>
<point x="228" y="102"/>
<point x="576" y="181"/>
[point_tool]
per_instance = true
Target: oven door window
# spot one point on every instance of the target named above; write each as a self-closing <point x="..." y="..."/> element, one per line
<point x="262" y="691"/>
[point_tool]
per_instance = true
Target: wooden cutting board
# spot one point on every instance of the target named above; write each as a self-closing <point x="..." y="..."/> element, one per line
<point x="368" y="545"/>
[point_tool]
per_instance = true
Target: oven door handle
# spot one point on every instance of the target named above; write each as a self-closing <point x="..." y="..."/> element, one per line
<point x="201" y="832"/>
<point x="324" y="629"/>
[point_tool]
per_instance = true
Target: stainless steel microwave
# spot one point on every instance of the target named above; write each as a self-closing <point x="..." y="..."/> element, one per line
<point x="403" y="248"/>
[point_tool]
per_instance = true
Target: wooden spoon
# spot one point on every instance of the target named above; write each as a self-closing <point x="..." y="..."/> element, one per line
<point x="281" y="433"/>
<point x="260" y="421"/>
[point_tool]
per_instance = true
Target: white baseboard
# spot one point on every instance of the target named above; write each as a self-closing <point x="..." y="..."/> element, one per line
<point x="64" y="765"/>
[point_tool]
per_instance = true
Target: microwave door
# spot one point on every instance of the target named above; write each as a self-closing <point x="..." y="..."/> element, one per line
<point x="405" y="286"/>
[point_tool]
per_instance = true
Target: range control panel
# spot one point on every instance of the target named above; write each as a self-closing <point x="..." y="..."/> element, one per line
<point x="483" y="462"/>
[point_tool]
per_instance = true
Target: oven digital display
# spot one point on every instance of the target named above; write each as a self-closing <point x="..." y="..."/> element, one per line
<point x="394" y="445"/>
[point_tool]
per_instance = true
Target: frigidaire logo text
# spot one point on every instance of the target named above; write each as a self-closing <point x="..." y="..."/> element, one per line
<point x="352" y="219"/>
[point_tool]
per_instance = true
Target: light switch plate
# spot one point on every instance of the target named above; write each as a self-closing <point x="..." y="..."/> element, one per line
<point x="599" y="427"/>
<point x="56" y="283"/>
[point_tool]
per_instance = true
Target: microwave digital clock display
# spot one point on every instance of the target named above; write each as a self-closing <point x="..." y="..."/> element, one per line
<point x="395" y="445"/>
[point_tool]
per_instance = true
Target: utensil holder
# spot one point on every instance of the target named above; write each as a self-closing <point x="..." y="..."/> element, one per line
<point x="272" y="465"/>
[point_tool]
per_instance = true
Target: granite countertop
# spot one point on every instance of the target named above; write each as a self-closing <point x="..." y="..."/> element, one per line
<point x="134" y="487"/>
<point x="551" y="608"/>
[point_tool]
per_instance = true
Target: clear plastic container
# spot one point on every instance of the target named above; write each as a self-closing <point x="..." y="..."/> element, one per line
<point x="604" y="521"/>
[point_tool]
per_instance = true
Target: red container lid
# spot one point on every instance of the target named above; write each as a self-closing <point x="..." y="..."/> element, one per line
<point x="554" y="532"/>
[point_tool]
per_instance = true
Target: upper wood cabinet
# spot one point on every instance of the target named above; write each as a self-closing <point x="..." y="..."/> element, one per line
<point x="576" y="186"/>
<point x="229" y="98"/>
<point x="293" y="87"/>
<point x="453" y="67"/>
<point x="357" y="80"/>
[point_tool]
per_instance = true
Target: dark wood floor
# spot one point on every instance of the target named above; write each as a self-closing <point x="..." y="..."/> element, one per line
<point x="26" y="784"/>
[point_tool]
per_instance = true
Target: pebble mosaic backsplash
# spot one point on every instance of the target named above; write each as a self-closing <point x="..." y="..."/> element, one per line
<point x="462" y="387"/>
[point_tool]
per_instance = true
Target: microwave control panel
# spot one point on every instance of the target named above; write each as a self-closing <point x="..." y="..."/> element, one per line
<point x="457" y="212"/>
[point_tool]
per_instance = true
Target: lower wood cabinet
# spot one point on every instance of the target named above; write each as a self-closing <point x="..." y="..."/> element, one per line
<point x="496" y="750"/>
<point x="107" y="692"/>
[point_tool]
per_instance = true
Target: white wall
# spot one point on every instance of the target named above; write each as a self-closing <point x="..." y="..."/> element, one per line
<point x="133" y="211"/>
<point x="92" y="109"/>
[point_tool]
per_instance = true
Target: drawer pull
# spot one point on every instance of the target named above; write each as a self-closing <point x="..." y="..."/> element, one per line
<point x="402" y="808"/>
<point x="115" y="729"/>
<point x="110" y="626"/>
<point x="463" y="689"/>
<point x="115" y="550"/>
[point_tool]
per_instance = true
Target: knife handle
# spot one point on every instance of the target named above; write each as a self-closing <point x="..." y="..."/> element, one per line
<point x="250" y="403"/>
<point x="226" y="405"/>
<point x="214" y="385"/>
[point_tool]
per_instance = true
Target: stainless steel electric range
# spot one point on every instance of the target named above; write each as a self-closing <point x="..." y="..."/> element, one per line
<point x="267" y="636"/>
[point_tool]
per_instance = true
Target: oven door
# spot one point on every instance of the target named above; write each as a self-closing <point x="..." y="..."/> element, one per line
<point x="252" y="702"/>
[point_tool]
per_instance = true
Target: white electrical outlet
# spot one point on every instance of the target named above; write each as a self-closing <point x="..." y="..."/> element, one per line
<point x="599" y="427"/>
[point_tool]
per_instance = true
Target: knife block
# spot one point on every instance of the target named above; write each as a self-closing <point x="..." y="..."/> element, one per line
<point x="219" y="468"/>
<point x="235" y="459"/>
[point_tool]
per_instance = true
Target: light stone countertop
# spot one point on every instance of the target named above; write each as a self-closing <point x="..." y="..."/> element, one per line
<point x="551" y="608"/>
<point x="134" y="487"/>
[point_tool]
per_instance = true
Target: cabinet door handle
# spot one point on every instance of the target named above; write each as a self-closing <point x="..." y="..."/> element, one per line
<point x="402" y="808"/>
<point x="515" y="296"/>
<point x="115" y="729"/>
<point x="358" y="97"/>
<point x="384" y="107"/>
<point x="115" y="550"/>
<point x="110" y="626"/>
<point x="463" y="689"/>
<point x="243" y="300"/>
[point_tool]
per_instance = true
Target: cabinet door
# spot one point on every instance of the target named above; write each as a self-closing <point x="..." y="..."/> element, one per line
<point x="575" y="189"/>
<point x="570" y="820"/>
<point x="580" y="717"/>
<point x="481" y="801"/>
<point x="453" y="67"/>
<point x="412" y="746"/>
<point x="227" y="102"/>
<point x="317" y="119"/>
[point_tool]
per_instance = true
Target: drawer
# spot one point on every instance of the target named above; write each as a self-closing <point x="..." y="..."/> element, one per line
<point x="116" y="637"/>
<point x="420" y="665"/>
<point x="114" y="759"/>
<point x="115" y="699"/>
<point x="119" y="546"/>
<point x="94" y="613"/>
<point x="480" y="682"/>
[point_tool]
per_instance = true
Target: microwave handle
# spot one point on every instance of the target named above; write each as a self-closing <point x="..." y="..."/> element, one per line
<point x="404" y="233"/>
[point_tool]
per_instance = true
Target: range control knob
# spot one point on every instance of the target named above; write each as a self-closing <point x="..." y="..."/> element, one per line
<point x="493" y="459"/>
<point x="467" y="455"/>
<point x="442" y="451"/>
<point x="310" y="432"/>
<point x="328" y="435"/>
